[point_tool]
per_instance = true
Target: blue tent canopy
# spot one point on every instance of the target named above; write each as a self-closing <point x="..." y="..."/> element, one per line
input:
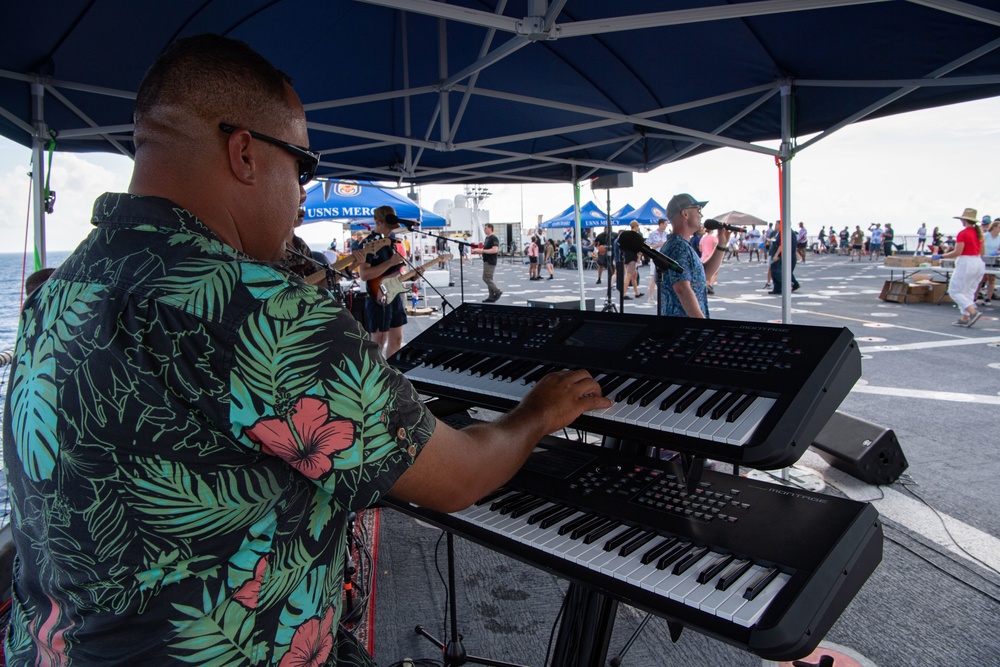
<point x="354" y="201"/>
<point x="574" y="91"/>
<point x="590" y="216"/>
<point x="618" y="216"/>
<point x="555" y="98"/>
<point x="647" y="214"/>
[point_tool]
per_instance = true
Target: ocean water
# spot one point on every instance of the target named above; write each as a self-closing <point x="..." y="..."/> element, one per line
<point x="13" y="271"/>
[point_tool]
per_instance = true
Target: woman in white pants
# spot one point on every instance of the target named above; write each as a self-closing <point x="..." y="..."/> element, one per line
<point x="969" y="268"/>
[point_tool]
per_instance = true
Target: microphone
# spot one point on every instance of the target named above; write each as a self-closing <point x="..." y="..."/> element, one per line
<point x="633" y="242"/>
<point x="715" y="224"/>
<point x="393" y="221"/>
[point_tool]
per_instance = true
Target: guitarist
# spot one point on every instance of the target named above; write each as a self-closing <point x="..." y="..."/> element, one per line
<point x="385" y="323"/>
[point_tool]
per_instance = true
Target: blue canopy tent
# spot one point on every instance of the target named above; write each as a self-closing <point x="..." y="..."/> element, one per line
<point x="354" y="201"/>
<point x="647" y="214"/>
<point x="590" y="216"/>
<point x="574" y="91"/>
<point x="618" y="217"/>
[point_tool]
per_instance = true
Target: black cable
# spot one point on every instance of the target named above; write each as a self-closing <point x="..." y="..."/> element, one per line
<point x="910" y="550"/>
<point x="444" y="582"/>
<point x="552" y="632"/>
<point x="365" y="566"/>
<point x="944" y="525"/>
<point x="940" y="569"/>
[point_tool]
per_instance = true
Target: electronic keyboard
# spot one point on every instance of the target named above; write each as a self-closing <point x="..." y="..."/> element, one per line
<point x="750" y="393"/>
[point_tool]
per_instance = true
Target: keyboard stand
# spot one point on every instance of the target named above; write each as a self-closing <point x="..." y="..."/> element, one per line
<point x="454" y="652"/>
<point x="585" y="630"/>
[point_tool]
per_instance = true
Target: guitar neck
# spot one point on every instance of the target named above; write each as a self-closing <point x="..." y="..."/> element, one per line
<point x="413" y="273"/>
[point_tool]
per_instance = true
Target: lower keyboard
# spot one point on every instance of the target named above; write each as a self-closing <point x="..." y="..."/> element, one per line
<point x="754" y="564"/>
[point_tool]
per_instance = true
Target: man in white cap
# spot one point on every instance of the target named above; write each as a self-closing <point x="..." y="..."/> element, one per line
<point x="685" y="294"/>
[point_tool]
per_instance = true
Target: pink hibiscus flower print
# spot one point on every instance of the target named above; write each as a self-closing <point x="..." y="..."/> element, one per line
<point x="249" y="593"/>
<point x="306" y="437"/>
<point x="311" y="643"/>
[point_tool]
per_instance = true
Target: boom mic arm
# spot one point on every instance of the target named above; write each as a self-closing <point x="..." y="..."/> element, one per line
<point x="633" y="242"/>
<point x="393" y="219"/>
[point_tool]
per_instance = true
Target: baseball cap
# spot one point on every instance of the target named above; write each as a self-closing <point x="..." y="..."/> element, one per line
<point x="680" y="202"/>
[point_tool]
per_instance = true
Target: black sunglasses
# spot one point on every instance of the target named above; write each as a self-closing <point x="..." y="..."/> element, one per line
<point x="308" y="160"/>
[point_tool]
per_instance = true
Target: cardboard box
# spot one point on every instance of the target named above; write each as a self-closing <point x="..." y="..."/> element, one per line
<point x="905" y="262"/>
<point x="897" y="291"/>
<point x="918" y="293"/>
<point x="893" y="290"/>
<point x="939" y="293"/>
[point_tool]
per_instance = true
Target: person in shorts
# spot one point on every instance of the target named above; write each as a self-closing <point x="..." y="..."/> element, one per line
<point x="385" y="321"/>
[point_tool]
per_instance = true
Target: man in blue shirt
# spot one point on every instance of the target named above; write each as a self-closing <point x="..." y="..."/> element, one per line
<point x="686" y="294"/>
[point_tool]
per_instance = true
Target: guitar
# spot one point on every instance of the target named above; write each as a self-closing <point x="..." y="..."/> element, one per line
<point x="360" y="256"/>
<point x="385" y="289"/>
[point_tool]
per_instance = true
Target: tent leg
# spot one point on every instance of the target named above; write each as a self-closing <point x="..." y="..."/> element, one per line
<point x="787" y="237"/>
<point x="579" y="240"/>
<point x="38" y="173"/>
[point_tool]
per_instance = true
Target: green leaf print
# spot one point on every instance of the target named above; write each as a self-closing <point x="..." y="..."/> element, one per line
<point x="32" y="384"/>
<point x="219" y="635"/>
<point x="199" y="286"/>
<point x="179" y="503"/>
<point x="308" y="600"/>
<point x="280" y="359"/>
<point x="34" y="416"/>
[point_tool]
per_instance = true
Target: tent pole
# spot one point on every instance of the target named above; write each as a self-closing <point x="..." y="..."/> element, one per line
<point x="38" y="142"/>
<point x="445" y="117"/>
<point x="787" y="240"/>
<point x="579" y="245"/>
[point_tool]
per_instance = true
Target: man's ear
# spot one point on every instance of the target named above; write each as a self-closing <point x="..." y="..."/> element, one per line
<point x="242" y="159"/>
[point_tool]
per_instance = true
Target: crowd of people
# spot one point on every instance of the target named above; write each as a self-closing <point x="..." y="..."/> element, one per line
<point x="546" y="250"/>
<point x="685" y="290"/>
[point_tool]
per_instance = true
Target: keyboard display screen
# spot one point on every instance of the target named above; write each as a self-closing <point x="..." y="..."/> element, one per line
<point x="604" y="335"/>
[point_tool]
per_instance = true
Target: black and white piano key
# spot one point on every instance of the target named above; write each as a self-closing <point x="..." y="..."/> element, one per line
<point x="509" y="380"/>
<point x="750" y="612"/>
<point x="696" y="576"/>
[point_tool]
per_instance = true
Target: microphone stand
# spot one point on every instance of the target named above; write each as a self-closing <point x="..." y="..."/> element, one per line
<point x="461" y="263"/>
<point x="613" y="265"/>
<point x="420" y="274"/>
<point x="661" y="267"/>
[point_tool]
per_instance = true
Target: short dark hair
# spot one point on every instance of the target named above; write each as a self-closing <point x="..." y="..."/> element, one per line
<point x="217" y="78"/>
<point x="36" y="280"/>
<point x="488" y="225"/>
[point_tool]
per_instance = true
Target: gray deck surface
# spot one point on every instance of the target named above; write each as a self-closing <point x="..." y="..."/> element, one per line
<point x="935" y="599"/>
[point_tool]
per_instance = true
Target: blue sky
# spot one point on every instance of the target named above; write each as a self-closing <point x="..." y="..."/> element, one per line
<point x="925" y="166"/>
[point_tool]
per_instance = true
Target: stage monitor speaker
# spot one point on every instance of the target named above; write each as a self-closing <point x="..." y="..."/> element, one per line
<point x="862" y="449"/>
<point x="612" y="181"/>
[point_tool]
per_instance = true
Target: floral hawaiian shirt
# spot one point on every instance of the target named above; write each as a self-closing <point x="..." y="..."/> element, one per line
<point x="186" y="430"/>
<point x="681" y="252"/>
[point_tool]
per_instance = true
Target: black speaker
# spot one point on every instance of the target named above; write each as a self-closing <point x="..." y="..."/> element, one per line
<point x="861" y="449"/>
